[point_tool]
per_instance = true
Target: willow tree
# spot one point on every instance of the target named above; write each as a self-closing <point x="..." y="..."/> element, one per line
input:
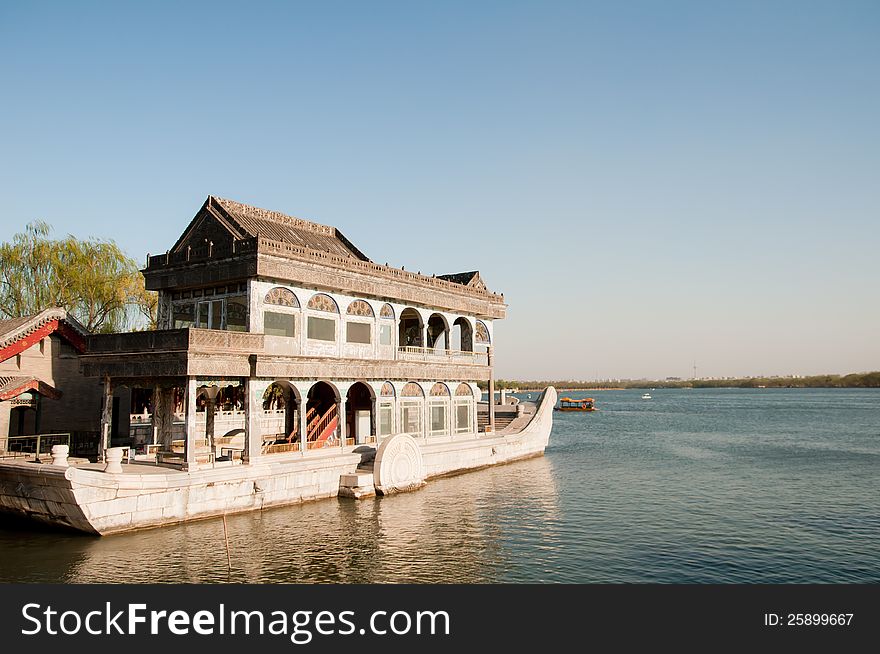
<point x="93" y="279"/>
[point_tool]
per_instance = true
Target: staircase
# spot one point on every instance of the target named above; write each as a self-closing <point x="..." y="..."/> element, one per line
<point x="321" y="429"/>
<point x="502" y="420"/>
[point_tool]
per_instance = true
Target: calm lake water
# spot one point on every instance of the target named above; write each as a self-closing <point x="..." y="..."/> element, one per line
<point x="726" y="486"/>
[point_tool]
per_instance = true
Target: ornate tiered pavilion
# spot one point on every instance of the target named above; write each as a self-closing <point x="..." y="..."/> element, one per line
<point x="277" y="337"/>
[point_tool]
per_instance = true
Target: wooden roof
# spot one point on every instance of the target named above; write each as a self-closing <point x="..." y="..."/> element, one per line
<point x="471" y="279"/>
<point x="245" y="221"/>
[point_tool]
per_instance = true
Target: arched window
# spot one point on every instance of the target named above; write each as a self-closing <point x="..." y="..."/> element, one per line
<point x="438" y="411"/>
<point x="464" y="408"/>
<point x="358" y="331"/>
<point x="280" y="322"/>
<point x="318" y="328"/>
<point x="386" y="327"/>
<point x="438" y="332"/>
<point x="386" y="410"/>
<point x="462" y="335"/>
<point x="412" y="400"/>
<point x="410" y="332"/>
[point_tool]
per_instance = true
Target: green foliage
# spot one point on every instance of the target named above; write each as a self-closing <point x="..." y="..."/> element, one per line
<point x="94" y="280"/>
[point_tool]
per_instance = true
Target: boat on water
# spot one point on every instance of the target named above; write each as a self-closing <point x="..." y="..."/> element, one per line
<point x="286" y="367"/>
<point x="568" y="404"/>
<point x="646" y="396"/>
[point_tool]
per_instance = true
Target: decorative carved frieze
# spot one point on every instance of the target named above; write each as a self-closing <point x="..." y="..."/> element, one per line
<point x="322" y="302"/>
<point x="281" y="297"/>
<point x="481" y="334"/>
<point x="360" y="308"/>
<point x="412" y="390"/>
<point x="439" y="390"/>
<point x="387" y="390"/>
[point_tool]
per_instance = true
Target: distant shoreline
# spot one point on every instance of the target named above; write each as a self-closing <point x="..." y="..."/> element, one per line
<point x="855" y="380"/>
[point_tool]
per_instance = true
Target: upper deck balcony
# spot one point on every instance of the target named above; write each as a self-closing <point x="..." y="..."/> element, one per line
<point x="216" y="353"/>
<point x="415" y="353"/>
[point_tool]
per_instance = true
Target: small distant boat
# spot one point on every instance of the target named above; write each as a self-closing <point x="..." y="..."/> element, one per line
<point x="568" y="404"/>
<point x="646" y="396"/>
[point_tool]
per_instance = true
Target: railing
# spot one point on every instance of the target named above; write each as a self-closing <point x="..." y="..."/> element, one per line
<point x="269" y="246"/>
<point x="33" y="445"/>
<point x="176" y="340"/>
<point x="203" y="253"/>
<point x="280" y="448"/>
<point x="279" y="441"/>
<point x="416" y="353"/>
<point x="224" y="341"/>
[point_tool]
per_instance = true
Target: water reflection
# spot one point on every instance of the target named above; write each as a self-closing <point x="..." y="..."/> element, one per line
<point x="714" y="486"/>
<point x="453" y="530"/>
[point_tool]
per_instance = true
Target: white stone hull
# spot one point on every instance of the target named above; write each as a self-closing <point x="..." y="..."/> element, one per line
<point x="95" y="502"/>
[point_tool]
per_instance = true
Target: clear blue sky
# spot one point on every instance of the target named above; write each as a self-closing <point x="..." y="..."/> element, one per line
<point x="649" y="183"/>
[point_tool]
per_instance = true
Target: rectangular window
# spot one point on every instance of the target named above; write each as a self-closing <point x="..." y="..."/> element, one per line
<point x="438" y="418"/>
<point x="385" y="335"/>
<point x="210" y="314"/>
<point x="279" y="324"/>
<point x="411" y="419"/>
<point x="322" y="329"/>
<point x="386" y="415"/>
<point x="462" y="417"/>
<point x="358" y="332"/>
<point x="183" y="315"/>
<point x="236" y="313"/>
<point x="217" y="315"/>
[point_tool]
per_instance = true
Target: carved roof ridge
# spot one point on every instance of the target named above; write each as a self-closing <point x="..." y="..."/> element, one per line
<point x="273" y="216"/>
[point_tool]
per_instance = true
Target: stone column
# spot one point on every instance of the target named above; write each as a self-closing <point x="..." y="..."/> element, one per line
<point x="189" y="448"/>
<point x="253" y="438"/>
<point x="106" y="417"/>
<point x="424" y="342"/>
<point x="163" y="416"/>
<point x="342" y="424"/>
<point x="210" y="406"/>
<point x="490" y="358"/>
<point x="303" y="425"/>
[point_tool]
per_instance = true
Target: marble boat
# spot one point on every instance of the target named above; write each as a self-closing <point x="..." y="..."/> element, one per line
<point x="286" y="367"/>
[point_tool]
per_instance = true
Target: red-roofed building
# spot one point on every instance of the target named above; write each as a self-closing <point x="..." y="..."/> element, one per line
<point x="41" y="387"/>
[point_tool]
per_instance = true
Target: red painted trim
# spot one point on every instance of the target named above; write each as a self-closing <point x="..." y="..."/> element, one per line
<point x="64" y="330"/>
<point x="28" y="341"/>
<point x="73" y="337"/>
<point x="32" y="385"/>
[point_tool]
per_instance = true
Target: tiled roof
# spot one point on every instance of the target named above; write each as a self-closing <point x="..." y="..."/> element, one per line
<point x="12" y="324"/>
<point x="12" y="387"/>
<point x="14" y="329"/>
<point x="253" y="221"/>
<point x="463" y="278"/>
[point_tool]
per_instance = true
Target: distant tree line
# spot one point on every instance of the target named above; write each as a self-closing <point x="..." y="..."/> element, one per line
<point x="855" y="380"/>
